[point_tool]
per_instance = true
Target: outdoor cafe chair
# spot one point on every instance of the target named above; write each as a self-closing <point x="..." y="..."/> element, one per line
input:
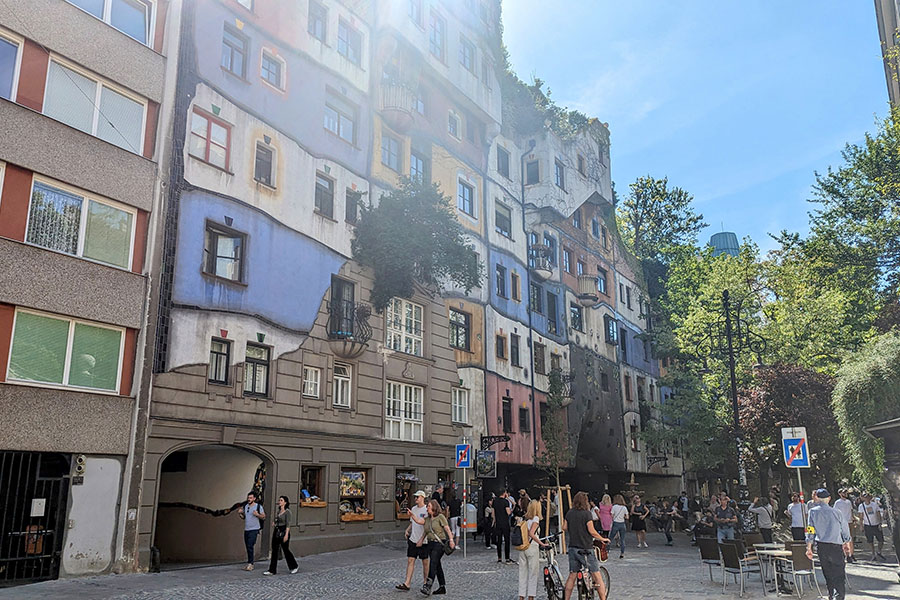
<point x="734" y="563"/>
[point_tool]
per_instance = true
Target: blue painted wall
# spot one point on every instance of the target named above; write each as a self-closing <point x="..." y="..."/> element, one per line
<point x="300" y="111"/>
<point x="635" y="351"/>
<point x="507" y="306"/>
<point x="287" y="273"/>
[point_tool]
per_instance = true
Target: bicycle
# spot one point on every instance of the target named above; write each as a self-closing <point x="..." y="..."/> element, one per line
<point x="553" y="582"/>
<point x="583" y="579"/>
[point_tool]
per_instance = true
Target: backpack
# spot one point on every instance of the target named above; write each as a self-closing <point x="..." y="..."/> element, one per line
<point x="519" y="537"/>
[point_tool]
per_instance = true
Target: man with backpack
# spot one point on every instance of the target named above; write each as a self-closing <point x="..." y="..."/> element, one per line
<point x="579" y="524"/>
<point x="503" y="510"/>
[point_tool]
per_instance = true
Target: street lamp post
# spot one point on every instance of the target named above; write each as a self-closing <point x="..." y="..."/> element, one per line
<point x="728" y="337"/>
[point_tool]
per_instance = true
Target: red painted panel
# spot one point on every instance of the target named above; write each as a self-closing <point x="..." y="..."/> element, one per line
<point x="7" y="312"/>
<point x="128" y="362"/>
<point x="33" y="76"/>
<point x="140" y="241"/>
<point x="14" y="202"/>
<point x="150" y="130"/>
<point x="159" y="37"/>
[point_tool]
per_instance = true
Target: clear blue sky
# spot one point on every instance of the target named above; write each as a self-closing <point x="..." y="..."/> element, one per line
<point x="739" y="103"/>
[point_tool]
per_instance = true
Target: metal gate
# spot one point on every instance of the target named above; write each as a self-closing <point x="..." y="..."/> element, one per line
<point x="34" y="487"/>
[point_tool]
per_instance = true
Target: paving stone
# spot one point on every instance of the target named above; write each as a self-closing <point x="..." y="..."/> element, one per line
<point x="657" y="573"/>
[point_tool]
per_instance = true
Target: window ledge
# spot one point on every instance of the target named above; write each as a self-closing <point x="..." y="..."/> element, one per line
<point x="234" y="75"/>
<point x="324" y="216"/>
<point x="265" y="185"/>
<point x="223" y="279"/>
<point x="346" y="409"/>
<point x="221" y="384"/>
<point x="209" y="164"/>
<point x="63" y="387"/>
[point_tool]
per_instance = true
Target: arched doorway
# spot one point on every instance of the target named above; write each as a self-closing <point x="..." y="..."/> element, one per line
<point x="201" y="491"/>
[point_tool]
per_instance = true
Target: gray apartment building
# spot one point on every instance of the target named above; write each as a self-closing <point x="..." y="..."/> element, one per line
<point x="82" y="99"/>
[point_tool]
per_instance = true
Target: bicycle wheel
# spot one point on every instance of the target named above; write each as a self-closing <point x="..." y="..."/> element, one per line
<point x="604" y="575"/>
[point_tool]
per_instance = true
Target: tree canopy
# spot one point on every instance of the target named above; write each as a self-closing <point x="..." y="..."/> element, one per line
<point x="410" y="235"/>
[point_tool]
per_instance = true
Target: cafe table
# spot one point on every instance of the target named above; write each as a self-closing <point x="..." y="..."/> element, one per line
<point x="772" y="552"/>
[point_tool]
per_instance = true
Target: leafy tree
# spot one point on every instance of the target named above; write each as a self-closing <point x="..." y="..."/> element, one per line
<point x="867" y="392"/>
<point x="412" y="235"/>
<point x="654" y="217"/>
<point x="790" y="396"/>
<point x="557" y="453"/>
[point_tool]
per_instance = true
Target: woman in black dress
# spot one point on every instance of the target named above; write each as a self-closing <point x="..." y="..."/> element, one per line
<point x="639" y="514"/>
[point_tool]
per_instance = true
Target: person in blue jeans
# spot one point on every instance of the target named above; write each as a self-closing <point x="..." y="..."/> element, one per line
<point x="619" y="513"/>
<point x="251" y="513"/>
<point x="725" y="518"/>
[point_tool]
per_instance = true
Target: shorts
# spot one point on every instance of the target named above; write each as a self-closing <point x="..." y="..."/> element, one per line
<point x="579" y="558"/>
<point x="413" y="551"/>
<point x="872" y="532"/>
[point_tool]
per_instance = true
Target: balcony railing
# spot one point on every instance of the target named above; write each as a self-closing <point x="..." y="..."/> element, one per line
<point x="540" y="260"/>
<point x="397" y="105"/>
<point x="348" y="327"/>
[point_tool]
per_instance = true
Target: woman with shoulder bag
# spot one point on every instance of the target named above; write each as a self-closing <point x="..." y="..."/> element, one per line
<point x="281" y="537"/>
<point x="437" y="532"/>
<point x="530" y="558"/>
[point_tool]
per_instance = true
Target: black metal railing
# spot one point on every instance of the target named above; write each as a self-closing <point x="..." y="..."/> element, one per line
<point x="348" y="320"/>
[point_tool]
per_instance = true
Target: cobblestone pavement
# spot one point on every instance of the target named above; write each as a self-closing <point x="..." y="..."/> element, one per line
<point x="659" y="573"/>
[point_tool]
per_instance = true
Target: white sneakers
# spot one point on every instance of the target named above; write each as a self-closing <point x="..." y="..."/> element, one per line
<point x="294" y="570"/>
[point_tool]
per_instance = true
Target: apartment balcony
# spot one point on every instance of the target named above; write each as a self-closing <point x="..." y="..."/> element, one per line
<point x="348" y="328"/>
<point x="540" y="261"/>
<point x="561" y="383"/>
<point x="397" y="105"/>
<point x="587" y="290"/>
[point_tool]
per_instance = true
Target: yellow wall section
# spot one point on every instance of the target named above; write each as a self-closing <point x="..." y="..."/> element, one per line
<point x="475" y="356"/>
<point x="446" y="170"/>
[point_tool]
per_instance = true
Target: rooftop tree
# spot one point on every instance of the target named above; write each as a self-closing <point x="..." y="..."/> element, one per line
<point x="412" y="235"/>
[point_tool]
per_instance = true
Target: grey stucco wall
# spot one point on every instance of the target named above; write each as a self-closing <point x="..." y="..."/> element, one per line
<point x="33" y="141"/>
<point x="69" y="31"/>
<point x="49" y="420"/>
<point x="69" y="286"/>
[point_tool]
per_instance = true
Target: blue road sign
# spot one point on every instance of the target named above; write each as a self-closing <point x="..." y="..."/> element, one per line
<point x="796" y="452"/>
<point x="464" y="456"/>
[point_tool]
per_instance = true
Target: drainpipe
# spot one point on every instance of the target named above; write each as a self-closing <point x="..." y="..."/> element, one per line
<point x="527" y="290"/>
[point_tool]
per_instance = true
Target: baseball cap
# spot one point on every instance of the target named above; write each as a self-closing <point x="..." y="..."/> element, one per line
<point x="823" y="493"/>
<point x="419" y="493"/>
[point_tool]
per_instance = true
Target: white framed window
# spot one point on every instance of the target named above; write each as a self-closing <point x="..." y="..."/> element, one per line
<point x="403" y="324"/>
<point x="134" y="18"/>
<point x="453" y="125"/>
<point x="349" y="42"/>
<point x="466" y="54"/>
<point x="10" y="63"/>
<point x="256" y="370"/>
<point x="50" y="349"/>
<point x="342" y="379"/>
<point x="403" y="412"/>
<point x="459" y="405"/>
<point x="311" y="379"/>
<point x="272" y="70"/>
<point x="65" y="219"/>
<point x="95" y="107"/>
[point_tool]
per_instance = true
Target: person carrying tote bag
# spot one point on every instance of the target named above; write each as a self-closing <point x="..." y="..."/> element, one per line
<point x="440" y="540"/>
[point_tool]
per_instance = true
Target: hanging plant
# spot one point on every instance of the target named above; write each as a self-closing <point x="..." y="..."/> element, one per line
<point x="412" y="235"/>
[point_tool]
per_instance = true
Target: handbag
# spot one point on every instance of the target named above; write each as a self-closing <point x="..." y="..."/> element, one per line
<point x="448" y="549"/>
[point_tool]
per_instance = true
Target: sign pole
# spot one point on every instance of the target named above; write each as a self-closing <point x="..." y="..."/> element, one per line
<point x="465" y="512"/>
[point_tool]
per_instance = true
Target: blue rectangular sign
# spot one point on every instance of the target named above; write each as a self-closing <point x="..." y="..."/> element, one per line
<point x="796" y="452"/>
<point x="464" y="456"/>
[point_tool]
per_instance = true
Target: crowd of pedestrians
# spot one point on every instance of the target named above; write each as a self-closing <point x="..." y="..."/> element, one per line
<point x="434" y="529"/>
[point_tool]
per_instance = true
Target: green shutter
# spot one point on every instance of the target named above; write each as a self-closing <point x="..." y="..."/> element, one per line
<point x="38" y="348"/>
<point x="108" y="234"/>
<point x="95" y="357"/>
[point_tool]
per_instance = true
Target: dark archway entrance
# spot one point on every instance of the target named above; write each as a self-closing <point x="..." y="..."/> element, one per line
<point x="201" y="492"/>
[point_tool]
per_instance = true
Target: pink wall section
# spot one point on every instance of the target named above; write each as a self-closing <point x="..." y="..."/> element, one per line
<point x="521" y="443"/>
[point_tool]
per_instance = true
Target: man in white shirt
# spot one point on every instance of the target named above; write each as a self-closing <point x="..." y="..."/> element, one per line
<point x="845" y="506"/>
<point x="871" y="515"/>
<point x="416" y="545"/>
<point x="796" y="510"/>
